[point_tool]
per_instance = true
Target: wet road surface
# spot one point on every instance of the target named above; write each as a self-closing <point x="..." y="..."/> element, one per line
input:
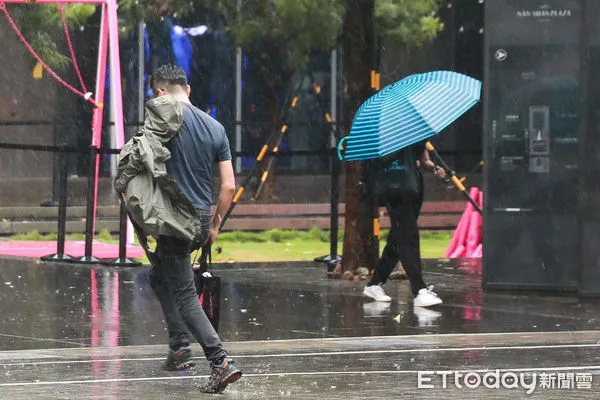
<point x="72" y="332"/>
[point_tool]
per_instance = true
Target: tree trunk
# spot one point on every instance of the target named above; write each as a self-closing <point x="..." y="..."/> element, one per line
<point x="358" y="38"/>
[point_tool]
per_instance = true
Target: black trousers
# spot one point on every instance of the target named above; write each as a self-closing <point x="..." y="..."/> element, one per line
<point x="172" y="280"/>
<point x="403" y="242"/>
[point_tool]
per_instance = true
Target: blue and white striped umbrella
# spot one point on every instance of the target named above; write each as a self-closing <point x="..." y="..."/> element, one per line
<point x="408" y="111"/>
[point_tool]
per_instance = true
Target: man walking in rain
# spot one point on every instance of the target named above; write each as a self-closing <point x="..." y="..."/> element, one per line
<point x="165" y="174"/>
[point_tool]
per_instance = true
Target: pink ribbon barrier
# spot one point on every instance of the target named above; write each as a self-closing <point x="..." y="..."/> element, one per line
<point x="459" y="252"/>
<point x="478" y="253"/>
<point x="460" y="232"/>
<point x="474" y="234"/>
<point x="467" y="238"/>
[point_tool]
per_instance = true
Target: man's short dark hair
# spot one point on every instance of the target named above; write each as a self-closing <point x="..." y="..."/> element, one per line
<point x="169" y="75"/>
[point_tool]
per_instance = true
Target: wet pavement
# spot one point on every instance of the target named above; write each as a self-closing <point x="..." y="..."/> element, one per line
<point x="73" y="331"/>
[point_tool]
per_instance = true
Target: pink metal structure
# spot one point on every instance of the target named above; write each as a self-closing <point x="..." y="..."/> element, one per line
<point x="56" y="1"/>
<point x="109" y="33"/>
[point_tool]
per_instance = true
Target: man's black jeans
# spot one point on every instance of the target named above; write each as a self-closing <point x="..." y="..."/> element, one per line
<point x="172" y="280"/>
<point x="403" y="242"/>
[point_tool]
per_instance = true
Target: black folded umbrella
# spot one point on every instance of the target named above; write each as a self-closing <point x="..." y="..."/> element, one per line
<point x="208" y="287"/>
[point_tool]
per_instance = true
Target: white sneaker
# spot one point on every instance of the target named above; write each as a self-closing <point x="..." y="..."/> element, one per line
<point x="376" y="293"/>
<point x="427" y="298"/>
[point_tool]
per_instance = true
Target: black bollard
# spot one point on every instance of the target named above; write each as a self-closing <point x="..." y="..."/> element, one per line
<point x="335" y="200"/>
<point x="122" y="260"/>
<point x="332" y="259"/>
<point x="62" y="214"/>
<point x="122" y="231"/>
<point x="89" y="216"/>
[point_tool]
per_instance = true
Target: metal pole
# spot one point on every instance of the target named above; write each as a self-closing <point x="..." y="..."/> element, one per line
<point x="122" y="232"/>
<point x="141" y="71"/>
<point x="332" y="259"/>
<point x="370" y="166"/>
<point x="333" y="95"/>
<point x="97" y="115"/>
<point x="335" y="165"/>
<point x="122" y="258"/>
<point x="238" y="101"/>
<point x="141" y="99"/>
<point x="55" y="170"/>
<point x="63" y="165"/>
<point x="112" y="133"/>
<point x="335" y="197"/>
<point x="89" y="220"/>
<point x="62" y="207"/>
<point x="342" y="97"/>
<point x="116" y="94"/>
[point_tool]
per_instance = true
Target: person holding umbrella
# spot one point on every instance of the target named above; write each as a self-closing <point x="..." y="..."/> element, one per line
<point x="399" y="187"/>
<point x="392" y="128"/>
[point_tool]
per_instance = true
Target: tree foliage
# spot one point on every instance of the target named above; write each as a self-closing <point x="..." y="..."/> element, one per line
<point x="41" y="24"/>
<point x="305" y="26"/>
<point x="407" y="22"/>
<point x="301" y="27"/>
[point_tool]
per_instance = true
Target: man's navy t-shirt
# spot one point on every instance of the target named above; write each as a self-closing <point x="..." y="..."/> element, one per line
<point x="200" y="143"/>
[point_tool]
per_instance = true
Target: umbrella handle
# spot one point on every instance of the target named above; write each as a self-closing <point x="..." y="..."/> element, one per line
<point x="339" y="151"/>
<point x="453" y="176"/>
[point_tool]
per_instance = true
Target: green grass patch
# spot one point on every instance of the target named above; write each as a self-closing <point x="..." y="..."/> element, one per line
<point x="273" y="245"/>
<point x="35" y="236"/>
<point x="105" y="236"/>
<point x="303" y="246"/>
<point x="275" y="236"/>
